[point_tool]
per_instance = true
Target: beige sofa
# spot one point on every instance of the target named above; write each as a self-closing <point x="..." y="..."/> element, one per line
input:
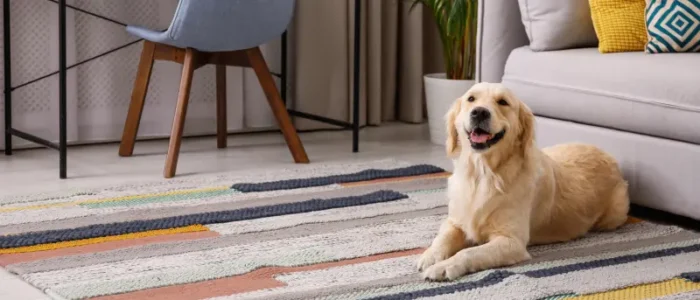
<point x="642" y="108"/>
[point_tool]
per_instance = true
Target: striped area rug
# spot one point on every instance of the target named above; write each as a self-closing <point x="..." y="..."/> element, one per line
<point x="342" y="231"/>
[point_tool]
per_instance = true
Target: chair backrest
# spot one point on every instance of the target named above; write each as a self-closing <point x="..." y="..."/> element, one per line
<point x="227" y="25"/>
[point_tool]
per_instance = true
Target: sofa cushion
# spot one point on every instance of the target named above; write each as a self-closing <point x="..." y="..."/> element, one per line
<point x="619" y="25"/>
<point x="673" y="26"/>
<point x="656" y="95"/>
<point x="556" y="25"/>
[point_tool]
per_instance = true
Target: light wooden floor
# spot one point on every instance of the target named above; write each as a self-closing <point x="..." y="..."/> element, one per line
<point x="32" y="171"/>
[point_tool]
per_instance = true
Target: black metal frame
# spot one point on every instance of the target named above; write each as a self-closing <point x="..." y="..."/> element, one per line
<point x="62" y="144"/>
<point x="355" y="124"/>
<point x="9" y="130"/>
<point x="62" y="69"/>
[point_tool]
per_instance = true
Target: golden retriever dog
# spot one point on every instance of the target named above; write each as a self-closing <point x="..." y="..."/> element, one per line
<point x="505" y="193"/>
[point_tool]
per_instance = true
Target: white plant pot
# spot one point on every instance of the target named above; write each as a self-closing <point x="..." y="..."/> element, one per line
<point x="440" y="93"/>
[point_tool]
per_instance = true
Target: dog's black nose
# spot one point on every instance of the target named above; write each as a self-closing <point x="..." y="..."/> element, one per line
<point x="480" y="114"/>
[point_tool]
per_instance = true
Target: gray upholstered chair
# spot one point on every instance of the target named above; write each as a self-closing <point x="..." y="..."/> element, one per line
<point x="220" y="32"/>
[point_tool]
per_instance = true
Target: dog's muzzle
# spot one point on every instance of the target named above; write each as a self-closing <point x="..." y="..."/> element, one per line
<point x="479" y="131"/>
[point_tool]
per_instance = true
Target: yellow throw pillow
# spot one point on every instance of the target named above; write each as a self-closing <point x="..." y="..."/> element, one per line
<point x="619" y="25"/>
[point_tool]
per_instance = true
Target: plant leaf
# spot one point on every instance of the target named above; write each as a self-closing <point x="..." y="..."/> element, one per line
<point x="456" y="21"/>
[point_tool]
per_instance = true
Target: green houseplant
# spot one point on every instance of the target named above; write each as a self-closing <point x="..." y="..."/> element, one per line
<point x="456" y="22"/>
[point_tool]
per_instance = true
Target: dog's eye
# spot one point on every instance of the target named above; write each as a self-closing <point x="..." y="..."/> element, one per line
<point x="470" y="99"/>
<point x="502" y="102"/>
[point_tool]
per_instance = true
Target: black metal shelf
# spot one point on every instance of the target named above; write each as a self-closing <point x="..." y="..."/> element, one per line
<point x="355" y="124"/>
<point x="61" y="146"/>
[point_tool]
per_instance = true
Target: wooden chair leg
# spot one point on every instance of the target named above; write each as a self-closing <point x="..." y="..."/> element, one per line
<point x="183" y="98"/>
<point x="221" y="128"/>
<point x="138" y="98"/>
<point x="257" y="61"/>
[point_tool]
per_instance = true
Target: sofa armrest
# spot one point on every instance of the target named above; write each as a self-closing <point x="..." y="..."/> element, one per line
<point x="499" y="31"/>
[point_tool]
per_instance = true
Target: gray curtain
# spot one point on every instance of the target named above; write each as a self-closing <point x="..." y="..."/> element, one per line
<point x="398" y="47"/>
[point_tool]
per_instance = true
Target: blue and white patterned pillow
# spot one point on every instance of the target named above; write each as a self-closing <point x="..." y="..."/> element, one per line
<point x="673" y="26"/>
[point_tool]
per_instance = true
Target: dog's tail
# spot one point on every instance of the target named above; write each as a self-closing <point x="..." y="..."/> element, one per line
<point x="616" y="214"/>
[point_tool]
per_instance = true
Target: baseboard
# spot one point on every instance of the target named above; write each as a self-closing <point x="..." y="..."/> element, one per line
<point x="659" y="216"/>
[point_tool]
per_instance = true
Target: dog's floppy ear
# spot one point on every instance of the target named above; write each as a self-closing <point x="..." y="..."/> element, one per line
<point x="452" y="145"/>
<point x="527" y="127"/>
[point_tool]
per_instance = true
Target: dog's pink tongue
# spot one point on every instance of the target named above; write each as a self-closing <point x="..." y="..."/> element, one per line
<point x="479" y="137"/>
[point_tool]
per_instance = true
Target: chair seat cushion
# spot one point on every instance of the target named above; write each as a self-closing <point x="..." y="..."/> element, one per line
<point x="657" y="95"/>
<point x="151" y="35"/>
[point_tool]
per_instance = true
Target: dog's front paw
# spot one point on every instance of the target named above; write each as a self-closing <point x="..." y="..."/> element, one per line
<point x="450" y="269"/>
<point x="430" y="257"/>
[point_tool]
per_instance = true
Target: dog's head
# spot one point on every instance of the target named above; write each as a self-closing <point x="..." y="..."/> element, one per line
<point x="488" y="117"/>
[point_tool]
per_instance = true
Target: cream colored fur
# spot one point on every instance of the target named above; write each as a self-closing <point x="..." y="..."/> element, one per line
<point x="513" y="194"/>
